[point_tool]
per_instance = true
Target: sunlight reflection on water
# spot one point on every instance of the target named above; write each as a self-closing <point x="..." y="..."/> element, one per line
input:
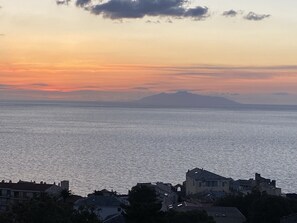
<point x="114" y="148"/>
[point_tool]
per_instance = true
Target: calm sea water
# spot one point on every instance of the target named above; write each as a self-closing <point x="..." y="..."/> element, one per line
<point x="114" y="148"/>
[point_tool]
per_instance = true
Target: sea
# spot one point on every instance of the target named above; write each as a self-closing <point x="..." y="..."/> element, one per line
<point x="114" y="148"/>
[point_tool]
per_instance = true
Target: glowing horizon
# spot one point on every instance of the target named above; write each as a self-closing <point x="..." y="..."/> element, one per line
<point x="62" y="48"/>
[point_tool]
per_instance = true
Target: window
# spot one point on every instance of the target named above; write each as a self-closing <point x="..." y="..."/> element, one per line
<point x="211" y="183"/>
<point x="16" y="194"/>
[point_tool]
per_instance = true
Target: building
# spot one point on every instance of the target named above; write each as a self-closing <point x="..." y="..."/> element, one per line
<point x="200" y="181"/>
<point x="219" y="214"/>
<point x="108" y="208"/>
<point x="21" y="191"/>
<point x="243" y="186"/>
<point x="266" y="185"/>
<point x="259" y="183"/>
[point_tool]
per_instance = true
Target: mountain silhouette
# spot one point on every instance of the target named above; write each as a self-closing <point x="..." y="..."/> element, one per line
<point x="186" y="99"/>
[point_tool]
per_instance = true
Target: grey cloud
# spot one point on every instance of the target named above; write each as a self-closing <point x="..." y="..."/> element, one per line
<point x="228" y="72"/>
<point x="252" y="16"/>
<point x="169" y="21"/>
<point x="141" y="88"/>
<point x="127" y="9"/>
<point x="4" y="86"/>
<point x="281" y="93"/>
<point x="239" y="74"/>
<point x="82" y="3"/>
<point x="62" y="2"/>
<point x="197" y="13"/>
<point x="154" y="22"/>
<point x="40" y="85"/>
<point x="230" y="13"/>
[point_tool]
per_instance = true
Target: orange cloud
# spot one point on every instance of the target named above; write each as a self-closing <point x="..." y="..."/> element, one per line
<point x="123" y="77"/>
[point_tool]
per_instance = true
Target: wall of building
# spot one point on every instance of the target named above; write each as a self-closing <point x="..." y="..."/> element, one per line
<point x="196" y="187"/>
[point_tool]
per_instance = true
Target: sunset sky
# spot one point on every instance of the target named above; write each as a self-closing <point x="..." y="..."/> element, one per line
<point x="125" y="49"/>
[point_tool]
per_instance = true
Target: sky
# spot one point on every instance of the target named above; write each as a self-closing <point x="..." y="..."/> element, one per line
<point x="116" y="50"/>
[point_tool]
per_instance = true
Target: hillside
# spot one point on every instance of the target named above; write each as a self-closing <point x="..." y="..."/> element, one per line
<point x="186" y="99"/>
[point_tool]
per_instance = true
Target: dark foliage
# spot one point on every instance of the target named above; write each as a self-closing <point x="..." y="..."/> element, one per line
<point x="145" y="208"/>
<point x="144" y="205"/>
<point x="187" y="217"/>
<point x="261" y="208"/>
<point x="65" y="194"/>
<point x="46" y="210"/>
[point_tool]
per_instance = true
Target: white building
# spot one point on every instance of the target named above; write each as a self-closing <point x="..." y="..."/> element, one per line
<point x="199" y="181"/>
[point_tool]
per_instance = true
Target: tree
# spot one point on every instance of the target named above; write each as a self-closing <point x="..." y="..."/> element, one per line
<point x="187" y="217"/>
<point x="260" y="207"/>
<point x="144" y="205"/>
<point x="65" y="194"/>
<point x="46" y="210"/>
<point x="145" y="208"/>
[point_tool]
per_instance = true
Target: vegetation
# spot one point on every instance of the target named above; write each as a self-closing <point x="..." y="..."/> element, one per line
<point x="187" y="217"/>
<point x="144" y="205"/>
<point x="145" y="208"/>
<point x="260" y="207"/>
<point x="65" y="194"/>
<point x="46" y="210"/>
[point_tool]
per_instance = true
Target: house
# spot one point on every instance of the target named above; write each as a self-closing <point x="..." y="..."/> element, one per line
<point x="166" y="193"/>
<point x="266" y="185"/>
<point x="225" y="214"/>
<point x="200" y="181"/>
<point x="21" y="191"/>
<point x="107" y="208"/>
<point x="219" y="214"/>
<point x="243" y="186"/>
<point x="259" y="183"/>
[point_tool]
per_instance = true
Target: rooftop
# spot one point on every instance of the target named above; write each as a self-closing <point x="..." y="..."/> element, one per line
<point x="25" y="186"/>
<point x="220" y="214"/>
<point x="204" y="175"/>
<point x="99" y="201"/>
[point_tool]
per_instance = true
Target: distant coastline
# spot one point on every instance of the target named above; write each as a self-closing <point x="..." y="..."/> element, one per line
<point x="160" y="101"/>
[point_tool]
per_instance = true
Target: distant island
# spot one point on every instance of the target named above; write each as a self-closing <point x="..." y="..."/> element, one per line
<point x="179" y="99"/>
<point x="185" y="99"/>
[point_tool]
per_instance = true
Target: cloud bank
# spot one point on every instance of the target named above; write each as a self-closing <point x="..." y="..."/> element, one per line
<point x="129" y="9"/>
<point x="62" y="2"/>
<point x="252" y="16"/>
<point x="137" y="9"/>
<point x="230" y="13"/>
<point x="123" y="9"/>
<point x="82" y="3"/>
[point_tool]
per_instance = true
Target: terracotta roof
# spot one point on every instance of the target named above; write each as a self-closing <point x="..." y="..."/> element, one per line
<point x="25" y="186"/>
